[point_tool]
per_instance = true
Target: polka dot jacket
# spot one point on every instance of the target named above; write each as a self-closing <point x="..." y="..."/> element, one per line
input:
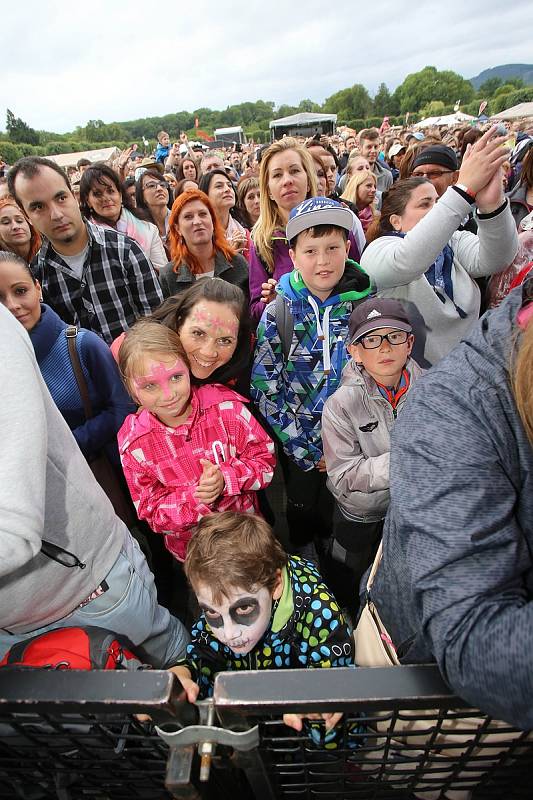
<point x="306" y="630"/>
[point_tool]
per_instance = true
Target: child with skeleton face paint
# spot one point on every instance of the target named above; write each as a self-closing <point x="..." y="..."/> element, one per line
<point x="190" y="450"/>
<point x="261" y="609"/>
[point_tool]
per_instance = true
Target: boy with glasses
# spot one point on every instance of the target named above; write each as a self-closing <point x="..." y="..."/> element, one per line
<point x="356" y="424"/>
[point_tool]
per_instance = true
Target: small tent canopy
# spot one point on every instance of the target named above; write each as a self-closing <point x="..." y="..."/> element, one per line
<point x="71" y="159"/>
<point x="304" y="124"/>
<point x="520" y="111"/>
<point x="447" y="119"/>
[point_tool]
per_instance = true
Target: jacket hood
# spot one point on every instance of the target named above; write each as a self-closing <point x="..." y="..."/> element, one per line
<point x="353" y="285"/>
<point x="489" y="345"/>
<point x="45" y="334"/>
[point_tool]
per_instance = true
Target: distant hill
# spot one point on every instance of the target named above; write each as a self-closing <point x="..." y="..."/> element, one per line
<point x="504" y="71"/>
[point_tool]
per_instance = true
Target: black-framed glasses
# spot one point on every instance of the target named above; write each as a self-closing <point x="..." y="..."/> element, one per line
<point x="156" y="185"/>
<point x="432" y="175"/>
<point x="375" y="340"/>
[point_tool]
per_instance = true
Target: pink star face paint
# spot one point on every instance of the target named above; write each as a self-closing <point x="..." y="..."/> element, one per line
<point x="242" y="618"/>
<point x="164" y="388"/>
<point x="209" y="335"/>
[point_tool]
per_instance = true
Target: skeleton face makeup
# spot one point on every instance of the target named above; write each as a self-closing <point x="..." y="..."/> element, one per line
<point x="240" y="620"/>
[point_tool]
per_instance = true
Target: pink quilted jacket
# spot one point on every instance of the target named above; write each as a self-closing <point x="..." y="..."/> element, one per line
<point x="162" y="465"/>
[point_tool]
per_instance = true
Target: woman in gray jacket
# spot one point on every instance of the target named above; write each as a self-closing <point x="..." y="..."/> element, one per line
<point x="418" y="255"/>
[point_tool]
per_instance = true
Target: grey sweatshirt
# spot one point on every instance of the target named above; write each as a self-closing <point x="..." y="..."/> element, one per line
<point x="356" y="426"/>
<point x="47" y="493"/>
<point x="397" y="265"/>
<point x="456" y="579"/>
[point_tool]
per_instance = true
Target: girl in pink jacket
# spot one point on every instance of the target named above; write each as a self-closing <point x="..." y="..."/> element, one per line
<point x="189" y="451"/>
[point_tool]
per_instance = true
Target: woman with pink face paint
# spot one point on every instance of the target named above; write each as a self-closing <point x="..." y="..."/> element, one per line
<point x="190" y="451"/>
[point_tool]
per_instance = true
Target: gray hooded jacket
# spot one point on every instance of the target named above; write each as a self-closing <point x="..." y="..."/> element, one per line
<point x="48" y="494"/>
<point x="356" y="425"/>
<point x="456" y="579"/>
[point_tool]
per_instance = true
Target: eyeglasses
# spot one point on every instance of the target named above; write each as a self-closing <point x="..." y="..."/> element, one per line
<point x="431" y="176"/>
<point x="151" y="185"/>
<point x="375" y="340"/>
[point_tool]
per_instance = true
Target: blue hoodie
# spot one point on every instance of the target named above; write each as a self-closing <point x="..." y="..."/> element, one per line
<point x="290" y="396"/>
<point x="110" y="402"/>
<point x="161" y="153"/>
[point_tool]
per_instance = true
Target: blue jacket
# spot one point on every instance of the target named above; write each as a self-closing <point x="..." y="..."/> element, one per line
<point x="456" y="580"/>
<point x="291" y="396"/>
<point x="161" y="153"/>
<point x="110" y="402"/>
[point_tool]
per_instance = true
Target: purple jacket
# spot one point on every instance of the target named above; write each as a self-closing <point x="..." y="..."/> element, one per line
<point x="258" y="275"/>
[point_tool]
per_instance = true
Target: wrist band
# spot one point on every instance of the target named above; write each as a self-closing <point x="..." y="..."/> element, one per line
<point x="466" y="193"/>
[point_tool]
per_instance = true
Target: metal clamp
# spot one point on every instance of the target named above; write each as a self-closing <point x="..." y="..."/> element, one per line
<point x="196" y="734"/>
<point x="183" y="740"/>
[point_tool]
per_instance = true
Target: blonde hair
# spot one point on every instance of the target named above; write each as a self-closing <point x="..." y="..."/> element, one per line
<point x="522" y="379"/>
<point x="350" y="192"/>
<point x="146" y="337"/>
<point x="269" y="217"/>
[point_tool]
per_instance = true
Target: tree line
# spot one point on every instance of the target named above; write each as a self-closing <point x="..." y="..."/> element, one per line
<point x="429" y="92"/>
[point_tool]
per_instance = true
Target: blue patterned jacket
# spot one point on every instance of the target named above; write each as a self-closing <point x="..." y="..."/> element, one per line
<point x="290" y="396"/>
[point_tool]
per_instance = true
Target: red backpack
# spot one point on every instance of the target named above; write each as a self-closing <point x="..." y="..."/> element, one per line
<point x="73" y="648"/>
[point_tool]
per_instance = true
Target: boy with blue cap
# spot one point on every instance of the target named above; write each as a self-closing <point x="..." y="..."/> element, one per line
<point x="300" y="354"/>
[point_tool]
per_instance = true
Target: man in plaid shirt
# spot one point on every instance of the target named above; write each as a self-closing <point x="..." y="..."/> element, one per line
<point x="93" y="277"/>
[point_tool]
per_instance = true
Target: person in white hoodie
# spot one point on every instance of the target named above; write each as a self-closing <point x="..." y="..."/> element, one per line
<point x="66" y="559"/>
<point x="356" y="425"/>
<point x="417" y="254"/>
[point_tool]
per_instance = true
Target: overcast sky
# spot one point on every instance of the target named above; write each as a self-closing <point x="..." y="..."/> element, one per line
<point x="67" y="62"/>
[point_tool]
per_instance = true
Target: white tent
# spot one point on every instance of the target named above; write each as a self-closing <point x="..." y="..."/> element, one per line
<point x="71" y="159"/>
<point x="447" y="120"/>
<point x="522" y="110"/>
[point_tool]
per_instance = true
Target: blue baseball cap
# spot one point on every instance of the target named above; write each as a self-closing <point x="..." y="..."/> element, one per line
<point x="318" y="211"/>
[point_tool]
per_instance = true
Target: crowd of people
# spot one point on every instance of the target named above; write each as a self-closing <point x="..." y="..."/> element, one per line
<point x="185" y="329"/>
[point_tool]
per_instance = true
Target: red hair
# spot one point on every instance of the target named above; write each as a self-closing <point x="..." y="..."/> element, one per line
<point x="35" y="236"/>
<point x="179" y="251"/>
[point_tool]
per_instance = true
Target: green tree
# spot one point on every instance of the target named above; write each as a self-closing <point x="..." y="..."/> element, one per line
<point x="488" y="87"/>
<point x="19" y="131"/>
<point x="384" y="102"/>
<point x="349" y="103"/>
<point x="308" y="106"/>
<point x="505" y="89"/>
<point x="434" y="109"/>
<point x="429" y="84"/>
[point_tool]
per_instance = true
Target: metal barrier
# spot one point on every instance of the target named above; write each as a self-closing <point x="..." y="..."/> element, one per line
<point x="71" y="735"/>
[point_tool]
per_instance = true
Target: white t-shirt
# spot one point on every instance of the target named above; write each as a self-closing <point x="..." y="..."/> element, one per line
<point x="75" y="263"/>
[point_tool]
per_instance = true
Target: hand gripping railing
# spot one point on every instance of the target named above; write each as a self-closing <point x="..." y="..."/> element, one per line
<point x="73" y="735"/>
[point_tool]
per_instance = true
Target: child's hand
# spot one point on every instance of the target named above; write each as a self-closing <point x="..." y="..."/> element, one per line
<point x="190" y="687"/>
<point x="267" y="291"/>
<point x="295" y="720"/>
<point x="321" y="465"/>
<point x="210" y="484"/>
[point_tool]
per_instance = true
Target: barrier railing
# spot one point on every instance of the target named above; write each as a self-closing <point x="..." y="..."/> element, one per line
<point x="404" y="735"/>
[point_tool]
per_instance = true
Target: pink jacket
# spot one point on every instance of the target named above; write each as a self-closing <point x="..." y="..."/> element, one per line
<point x="162" y="465"/>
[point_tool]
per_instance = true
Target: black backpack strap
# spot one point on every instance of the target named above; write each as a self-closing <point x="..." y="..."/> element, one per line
<point x="284" y="324"/>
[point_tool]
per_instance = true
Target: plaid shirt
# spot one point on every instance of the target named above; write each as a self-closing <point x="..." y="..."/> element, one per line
<point x="118" y="284"/>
